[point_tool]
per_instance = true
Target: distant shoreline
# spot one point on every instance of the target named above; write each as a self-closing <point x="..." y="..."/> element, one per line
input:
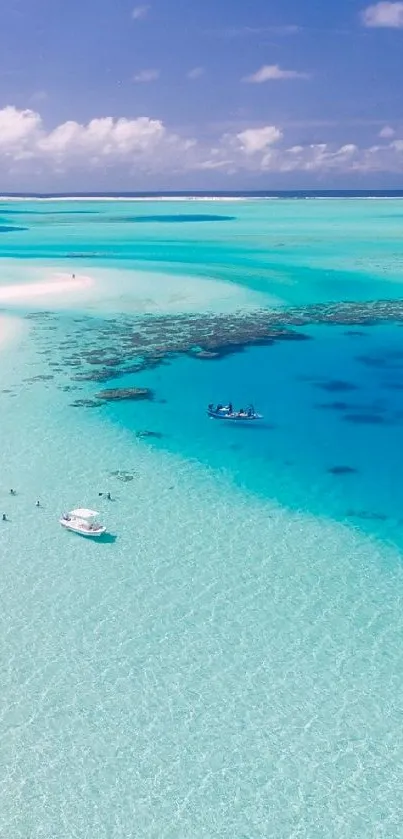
<point x="269" y="195"/>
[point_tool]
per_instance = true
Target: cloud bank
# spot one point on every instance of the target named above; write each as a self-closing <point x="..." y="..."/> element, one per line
<point x="253" y="140"/>
<point x="383" y="15"/>
<point x="149" y="146"/>
<point x="387" y="132"/>
<point x="272" y="72"/>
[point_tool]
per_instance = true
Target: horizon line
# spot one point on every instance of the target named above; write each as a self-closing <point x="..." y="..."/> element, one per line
<point x="202" y="194"/>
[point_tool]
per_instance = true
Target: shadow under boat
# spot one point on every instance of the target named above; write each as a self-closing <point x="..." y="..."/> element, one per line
<point x="107" y="539"/>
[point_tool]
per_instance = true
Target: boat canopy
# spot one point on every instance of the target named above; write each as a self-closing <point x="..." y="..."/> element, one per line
<point x="83" y="513"/>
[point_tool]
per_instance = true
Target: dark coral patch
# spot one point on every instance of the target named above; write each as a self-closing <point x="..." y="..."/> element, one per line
<point x="290" y="335"/>
<point x="86" y="403"/>
<point x="336" y="385"/>
<point x="364" y="514"/>
<point x="372" y="360"/>
<point x="205" y="354"/>
<point x="125" y="393"/>
<point x="391" y="359"/>
<point x="123" y="476"/>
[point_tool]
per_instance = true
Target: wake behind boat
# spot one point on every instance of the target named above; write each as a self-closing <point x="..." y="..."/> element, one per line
<point x="226" y="412"/>
<point x="82" y="521"/>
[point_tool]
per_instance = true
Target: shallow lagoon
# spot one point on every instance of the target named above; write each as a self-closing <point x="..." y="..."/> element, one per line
<point x="230" y="665"/>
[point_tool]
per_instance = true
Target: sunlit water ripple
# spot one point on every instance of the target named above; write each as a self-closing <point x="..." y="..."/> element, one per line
<point x="230" y="664"/>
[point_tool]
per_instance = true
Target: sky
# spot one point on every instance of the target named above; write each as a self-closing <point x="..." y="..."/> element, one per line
<point x="200" y="94"/>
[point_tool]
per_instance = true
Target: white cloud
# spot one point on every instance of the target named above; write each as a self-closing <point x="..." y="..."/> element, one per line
<point x="19" y="131"/>
<point x="263" y="150"/>
<point x="140" y="12"/>
<point x="257" y="139"/>
<point x="196" y="73"/>
<point x="384" y="15"/>
<point x="101" y="141"/>
<point x="146" y="76"/>
<point x="387" y="132"/>
<point x="272" y="72"/>
<point x="215" y="164"/>
<point x="146" y="145"/>
<point x="103" y="138"/>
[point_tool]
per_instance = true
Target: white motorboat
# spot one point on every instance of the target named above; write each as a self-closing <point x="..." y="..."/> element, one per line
<point x="82" y="521"/>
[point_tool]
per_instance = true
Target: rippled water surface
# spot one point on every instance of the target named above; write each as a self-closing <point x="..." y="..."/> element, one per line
<point x="228" y="662"/>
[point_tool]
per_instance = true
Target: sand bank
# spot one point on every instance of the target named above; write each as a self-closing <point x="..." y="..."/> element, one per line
<point x="56" y="285"/>
<point x="134" y="291"/>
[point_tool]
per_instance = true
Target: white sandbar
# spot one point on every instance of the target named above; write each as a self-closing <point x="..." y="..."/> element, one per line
<point x="58" y="284"/>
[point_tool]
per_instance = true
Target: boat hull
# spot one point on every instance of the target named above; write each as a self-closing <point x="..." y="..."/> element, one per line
<point x="88" y="534"/>
<point x="233" y="417"/>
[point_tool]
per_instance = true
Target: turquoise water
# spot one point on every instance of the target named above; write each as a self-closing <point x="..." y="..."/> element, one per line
<point x="228" y="663"/>
<point x="335" y="452"/>
<point x="296" y="251"/>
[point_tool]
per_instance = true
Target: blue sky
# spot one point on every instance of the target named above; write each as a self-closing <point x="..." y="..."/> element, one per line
<point x="200" y="93"/>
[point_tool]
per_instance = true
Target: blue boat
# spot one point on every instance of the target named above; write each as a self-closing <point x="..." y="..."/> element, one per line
<point x="226" y="412"/>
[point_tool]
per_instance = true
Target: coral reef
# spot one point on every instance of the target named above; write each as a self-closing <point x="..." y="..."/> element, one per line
<point x="119" y="393"/>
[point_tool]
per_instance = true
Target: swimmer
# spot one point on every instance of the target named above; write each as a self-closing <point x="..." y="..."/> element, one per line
<point x="38" y="504"/>
<point x="4" y="517"/>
